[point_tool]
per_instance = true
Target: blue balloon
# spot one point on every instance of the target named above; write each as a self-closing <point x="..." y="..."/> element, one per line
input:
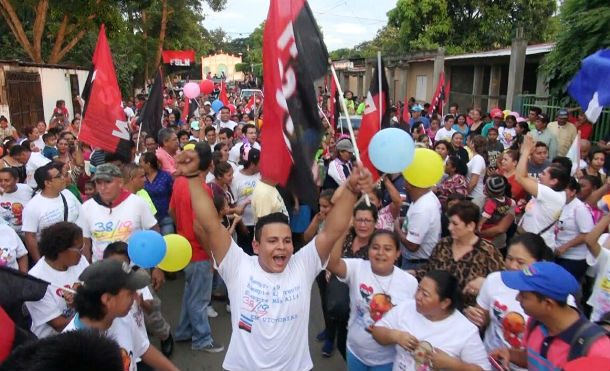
<point x="146" y="248"/>
<point x="391" y="150"/>
<point x="217" y="105"/>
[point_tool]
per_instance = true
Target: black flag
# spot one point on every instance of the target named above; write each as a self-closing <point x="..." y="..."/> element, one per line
<point x="151" y="117"/>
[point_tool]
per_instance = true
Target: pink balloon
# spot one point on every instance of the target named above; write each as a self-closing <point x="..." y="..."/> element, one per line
<point x="206" y="86"/>
<point x="191" y="90"/>
<point x="516" y="114"/>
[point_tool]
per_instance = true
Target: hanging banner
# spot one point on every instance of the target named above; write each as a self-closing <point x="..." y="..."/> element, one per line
<point x="178" y="57"/>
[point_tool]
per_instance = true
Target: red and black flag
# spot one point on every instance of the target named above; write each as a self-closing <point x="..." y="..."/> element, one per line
<point x="104" y="123"/>
<point x="294" y="56"/>
<point x="250" y="105"/>
<point x="439" y="96"/>
<point x="151" y="117"/>
<point x="223" y="94"/>
<point x="335" y="105"/>
<point x="370" y="124"/>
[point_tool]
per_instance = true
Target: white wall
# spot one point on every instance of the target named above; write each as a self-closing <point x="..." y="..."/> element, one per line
<point x="55" y="84"/>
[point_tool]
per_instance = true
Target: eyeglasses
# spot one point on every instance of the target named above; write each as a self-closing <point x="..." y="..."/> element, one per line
<point x="363" y="221"/>
<point x="58" y="176"/>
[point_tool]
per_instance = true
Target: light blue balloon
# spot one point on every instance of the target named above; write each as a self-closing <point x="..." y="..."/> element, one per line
<point x="217" y="105"/>
<point x="391" y="150"/>
<point x="146" y="248"/>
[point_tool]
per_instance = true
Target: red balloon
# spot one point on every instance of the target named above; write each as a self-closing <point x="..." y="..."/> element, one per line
<point x="206" y="86"/>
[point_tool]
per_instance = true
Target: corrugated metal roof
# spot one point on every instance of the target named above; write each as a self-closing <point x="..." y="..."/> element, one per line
<point x="530" y="50"/>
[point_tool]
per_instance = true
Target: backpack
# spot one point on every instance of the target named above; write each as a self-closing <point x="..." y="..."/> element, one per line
<point x="583" y="339"/>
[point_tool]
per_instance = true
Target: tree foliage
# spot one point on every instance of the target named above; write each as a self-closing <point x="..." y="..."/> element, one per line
<point x="458" y="25"/>
<point x="584" y="30"/>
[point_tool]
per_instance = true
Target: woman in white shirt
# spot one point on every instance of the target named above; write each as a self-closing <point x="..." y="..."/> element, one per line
<point x="497" y="307"/>
<point x="430" y="332"/>
<point x="571" y="229"/>
<point x="375" y="286"/>
<point x="477" y="166"/>
<point x="548" y="195"/>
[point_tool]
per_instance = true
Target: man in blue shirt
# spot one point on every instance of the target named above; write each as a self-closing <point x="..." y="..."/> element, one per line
<point x="416" y="115"/>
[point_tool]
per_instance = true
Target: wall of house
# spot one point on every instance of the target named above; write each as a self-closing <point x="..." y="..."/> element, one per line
<point x="213" y="62"/>
<point x="55" y="84"/>
<point x="420" y="69"/>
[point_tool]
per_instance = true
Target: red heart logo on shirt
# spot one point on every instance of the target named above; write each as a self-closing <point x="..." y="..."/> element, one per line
<point x="365" y="290"/>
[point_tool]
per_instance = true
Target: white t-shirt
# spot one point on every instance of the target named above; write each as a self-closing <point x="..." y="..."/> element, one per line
<point x="12" y="205"/>
<point x="243" y="187"/>
<point x="126" y="331"/>
<point x="234" y="152"/>
<point x="52" y="305"/>
<point x="36" y="160"/>
<point x="11" y="247"/>
<point x="455" y="335"/>
<point x="541" y="211"/>
<point x="477" y="166"/>
<point x="423" y="226"/>
<point x="104" y="225"/>
<point x="600" y="297"/>
<point x="507" y="136"/>
<point x="39" y="143"/>
<point x="41" y="212"/>
<point x="229" y="124"/>
<point x="575" y="219"/>
<point x="371" y="296"/>
<point x="507" y="320"/>
<point x="444" y="134"/>
<point x="270" y="316"/>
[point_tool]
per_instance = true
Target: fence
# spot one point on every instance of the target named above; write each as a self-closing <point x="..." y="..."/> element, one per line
<point x="550" y="106"/>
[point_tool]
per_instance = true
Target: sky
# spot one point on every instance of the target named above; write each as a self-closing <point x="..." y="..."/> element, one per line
<point x="344" y="24"/>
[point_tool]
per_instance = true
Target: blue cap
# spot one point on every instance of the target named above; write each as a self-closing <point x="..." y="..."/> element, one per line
<point x="545" y="278"/>
<point x="417" y="108"/>
<point x="563" y="113"/>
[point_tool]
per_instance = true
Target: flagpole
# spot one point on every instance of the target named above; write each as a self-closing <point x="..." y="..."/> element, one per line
<point x="380" y="88"/>
<point x="349" y="124"/>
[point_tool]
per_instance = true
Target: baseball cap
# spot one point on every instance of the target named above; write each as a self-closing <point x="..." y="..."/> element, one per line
<point x="345" y="145"/>
<point x="563" y="113"/>
<point x="107" y="172"/>
<point x="417" y="108"/>
<point x="543" y="117"/>
<point x="110" y="275"/>
<point x="206" y="103"/>
<point x="195" y="125"/>
<point x="546" y="278"/>
<point x="499" y="114"/>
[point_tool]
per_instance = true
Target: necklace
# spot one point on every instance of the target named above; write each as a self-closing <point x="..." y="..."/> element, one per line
<point x="389" y="284"/>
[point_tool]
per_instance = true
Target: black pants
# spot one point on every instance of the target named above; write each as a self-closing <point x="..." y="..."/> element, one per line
<point x="245" y="240"/>
<point x="577" y="268"/>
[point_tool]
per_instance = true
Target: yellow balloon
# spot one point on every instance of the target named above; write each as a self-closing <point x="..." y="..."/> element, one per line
<point x="178" y="255"/>
<point x="506" y="112"/>
<point x="426" y="169"/>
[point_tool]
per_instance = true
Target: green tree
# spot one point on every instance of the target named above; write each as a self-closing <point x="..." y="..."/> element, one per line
<point x="583" y="31"/>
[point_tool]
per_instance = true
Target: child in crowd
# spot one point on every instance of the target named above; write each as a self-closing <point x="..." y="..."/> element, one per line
<point x="49" y="151"/>
<point x="89" y="188"/>
<point x="222" y="206"/>
<point x="497" y="202"/>
<point x="494" y="149"/>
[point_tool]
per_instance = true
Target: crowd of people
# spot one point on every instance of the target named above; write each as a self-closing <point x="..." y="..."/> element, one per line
<point x="503" y="263"/>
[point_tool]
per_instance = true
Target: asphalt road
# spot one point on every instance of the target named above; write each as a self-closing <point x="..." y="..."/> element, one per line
<point x="186" y="359"/>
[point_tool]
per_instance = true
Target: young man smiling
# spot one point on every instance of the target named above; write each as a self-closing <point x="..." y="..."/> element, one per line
<point x="273" y="289"/>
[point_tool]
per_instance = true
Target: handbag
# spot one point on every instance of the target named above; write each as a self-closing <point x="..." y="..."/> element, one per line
<point x="337" y="299"/>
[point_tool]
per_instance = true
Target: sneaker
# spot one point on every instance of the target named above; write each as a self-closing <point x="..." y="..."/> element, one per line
<point x="327" y="348"/>
<point x="211" y="312"/>
<point x="321" y="336"/>
<point x="167" y="346"/>
<point x="228" y="308"/>
<point x="213" y="347"/>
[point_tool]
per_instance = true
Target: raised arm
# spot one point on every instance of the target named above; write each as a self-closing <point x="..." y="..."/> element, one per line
<point x="591" y="238"/>
<point x="394" y="196"/>
<point x="207" y="216"/>
<point x="529" y="185"/>
<point x="336" y="265"/>
<point x="338" y="219"/>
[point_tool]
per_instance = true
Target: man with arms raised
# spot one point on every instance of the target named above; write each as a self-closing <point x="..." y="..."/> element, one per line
<point x="273" y="289"/>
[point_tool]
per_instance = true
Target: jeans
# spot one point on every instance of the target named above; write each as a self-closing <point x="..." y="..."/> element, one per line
<point x="406" y="264"/>
<point x="193" y="322"/>
<point x="354" y="364"/>
<point x="166" y="225"/>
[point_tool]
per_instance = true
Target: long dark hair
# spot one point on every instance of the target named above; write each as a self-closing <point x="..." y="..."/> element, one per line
<point x="447" y="287"/>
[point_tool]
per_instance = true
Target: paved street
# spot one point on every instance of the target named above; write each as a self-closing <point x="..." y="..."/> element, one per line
<point x="186" y="359"/>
